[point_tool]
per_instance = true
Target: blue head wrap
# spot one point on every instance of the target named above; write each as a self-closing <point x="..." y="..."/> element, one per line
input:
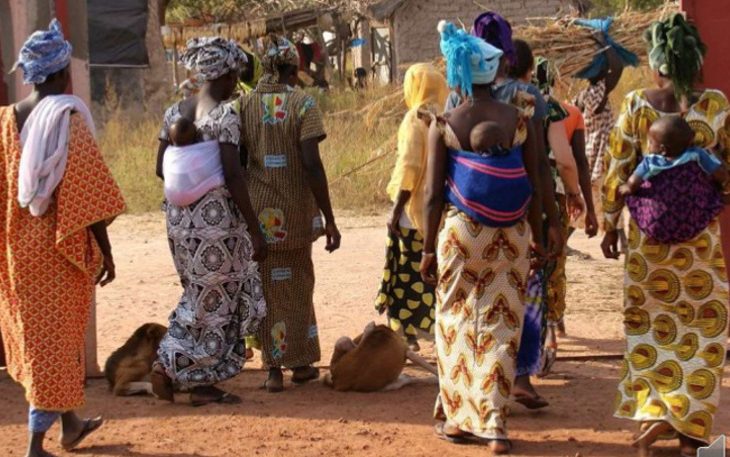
<point x="600" y="60"/>
<point x="44" y="53"/>
<point x="469" y="60"/>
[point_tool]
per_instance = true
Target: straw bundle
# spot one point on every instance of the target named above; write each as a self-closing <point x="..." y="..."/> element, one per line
<point x="570" y="47"/>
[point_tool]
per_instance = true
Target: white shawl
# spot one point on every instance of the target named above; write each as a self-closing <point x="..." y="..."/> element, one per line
<point x="191" y="172"/>
<point x="45" y="139"/>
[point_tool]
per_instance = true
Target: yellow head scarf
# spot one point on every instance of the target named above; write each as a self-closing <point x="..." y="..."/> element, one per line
<point x="424" y="87"/>
<point x="424" y="84"/>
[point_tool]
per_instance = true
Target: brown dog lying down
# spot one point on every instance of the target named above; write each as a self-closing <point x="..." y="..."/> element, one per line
<point x="374" y="361"/>
<point x="128" y="368"/>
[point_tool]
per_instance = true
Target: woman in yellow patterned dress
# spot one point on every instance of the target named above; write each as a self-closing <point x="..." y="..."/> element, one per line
<point x="675" y="310"/>
<point x="407" y="300"/>
<point x="484" y="245"/>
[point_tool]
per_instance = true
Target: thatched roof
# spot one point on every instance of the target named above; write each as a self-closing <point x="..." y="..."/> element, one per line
<point x="383" y="10"/>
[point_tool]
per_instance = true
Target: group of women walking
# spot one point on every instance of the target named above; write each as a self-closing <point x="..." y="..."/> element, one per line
<point x="502" y="171"/>
<point x="490" y="172"/>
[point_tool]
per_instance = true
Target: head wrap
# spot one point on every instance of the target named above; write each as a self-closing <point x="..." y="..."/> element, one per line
<point x="258" y="71"/>
<point x="279" y="52"/>
<point x="600" y="61"/>
<point x="44" y="53"/>
<point x="212" y="57"/>
<point x="424" y="84"/>
<point x="469" y="60"/>
<point x="676" y="51"/>
<point x="497" y="31"/>
<point x="543" y="77"/>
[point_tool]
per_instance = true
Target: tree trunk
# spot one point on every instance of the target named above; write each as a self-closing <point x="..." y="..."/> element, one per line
<point x="157" y="87"/>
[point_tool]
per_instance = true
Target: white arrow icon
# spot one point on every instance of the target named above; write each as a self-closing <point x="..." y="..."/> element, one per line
<point x="716" y="449"/>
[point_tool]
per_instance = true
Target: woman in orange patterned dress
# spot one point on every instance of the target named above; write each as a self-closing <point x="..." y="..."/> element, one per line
<point x="484" y="246"/>
<point x="54" y="239"/>
<point x="676" y="291"/>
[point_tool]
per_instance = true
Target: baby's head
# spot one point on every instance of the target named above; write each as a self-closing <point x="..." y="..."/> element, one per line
<point x="183" y="132"/>
<point x="670" y="136"/>
<point x="486" y="135"/>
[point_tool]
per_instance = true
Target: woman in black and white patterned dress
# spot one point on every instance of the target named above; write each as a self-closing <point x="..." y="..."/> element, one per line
<point x="215" y="243"/>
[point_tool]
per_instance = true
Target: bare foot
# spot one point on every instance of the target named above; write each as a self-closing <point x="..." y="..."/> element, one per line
<point x="500" y="447"/>
<point x="688" y="446"/>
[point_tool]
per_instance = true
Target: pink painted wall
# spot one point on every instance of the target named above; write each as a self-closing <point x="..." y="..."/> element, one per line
<point x="24" y="14"/>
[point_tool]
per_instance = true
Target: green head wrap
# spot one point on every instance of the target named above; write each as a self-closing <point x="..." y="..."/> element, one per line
<point x="676" y="51"/>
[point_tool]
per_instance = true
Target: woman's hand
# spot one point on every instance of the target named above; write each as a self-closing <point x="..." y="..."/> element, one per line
<point x="429" y="268"/>
<point x="394" y="220"/>
<point x="537" y="257"/>
<point x="333" y="237"/>
<point x="591" y="224"/>
<point x="260" y="247"/>
<point x="108" y="271"/>
<point x="576" y="205"/>
<point x="610" y="245"/>
<point x="555" y="241"/>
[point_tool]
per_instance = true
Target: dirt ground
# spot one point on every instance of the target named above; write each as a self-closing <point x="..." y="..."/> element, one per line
<point x="314" y="421"/>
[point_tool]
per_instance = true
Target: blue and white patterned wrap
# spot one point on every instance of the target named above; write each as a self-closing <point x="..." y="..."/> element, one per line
<point x="44" y="53"/>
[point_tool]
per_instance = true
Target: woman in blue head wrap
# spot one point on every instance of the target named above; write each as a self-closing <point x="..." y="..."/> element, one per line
<point x="482" y="175"/>
<point x="57" y="198"/>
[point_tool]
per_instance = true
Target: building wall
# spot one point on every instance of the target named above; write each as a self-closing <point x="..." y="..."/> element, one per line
<point x="20" y="18"/>
<point x="414" y="24"/>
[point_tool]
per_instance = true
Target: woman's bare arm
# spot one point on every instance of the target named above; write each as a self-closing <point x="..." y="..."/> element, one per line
<point x="160" y="156"/>
<point x="529" y="155"/>
<point x="435" y="179"/>
<point x="565" y="162"/>
<point x="236" y="184"/>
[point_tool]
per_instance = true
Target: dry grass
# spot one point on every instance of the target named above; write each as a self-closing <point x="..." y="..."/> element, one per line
<point x="358" y="154"/>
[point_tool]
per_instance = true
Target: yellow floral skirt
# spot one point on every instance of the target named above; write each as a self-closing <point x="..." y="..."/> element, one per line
<point x="675" y="318"/>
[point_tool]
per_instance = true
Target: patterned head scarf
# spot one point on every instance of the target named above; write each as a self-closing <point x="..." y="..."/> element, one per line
<point x="424" y="84"/>
<point x="279" y="52"/>
<point x="469" y="60"/>
<point x="543" y="78"/>
<point x="212" y="57"/>
<point x="44" y="53"/>
<point x="676" y="51"/>
<point x="497" y="31"/>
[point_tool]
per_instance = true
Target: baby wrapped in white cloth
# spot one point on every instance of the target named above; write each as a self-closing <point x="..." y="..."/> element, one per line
<point x="191" y="171"/>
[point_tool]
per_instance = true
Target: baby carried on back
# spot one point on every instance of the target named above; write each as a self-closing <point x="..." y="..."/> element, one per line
<point x="677" y="190"/>
<point x="191" y="169"/>
<point x="490" y="184"/>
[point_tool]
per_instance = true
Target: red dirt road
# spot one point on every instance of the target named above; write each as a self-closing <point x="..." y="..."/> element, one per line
<point x="314" y="421"/>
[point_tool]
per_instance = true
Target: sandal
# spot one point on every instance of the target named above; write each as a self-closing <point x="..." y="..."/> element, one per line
<point x="162" y="385"/>
<point x="90" y="425"/>
<point x="303" y="375"/>
<point x="650" y="433"/>
<point x="441" y="434"/>
<point x="530" y="402"/>
<point x="216" y="396"/>
<point x="275" y="382"/>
